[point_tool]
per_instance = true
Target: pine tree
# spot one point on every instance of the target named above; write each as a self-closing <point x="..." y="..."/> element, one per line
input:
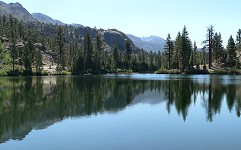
<point x="191" y="60"/>
<point x="186" y="48"/>
<point x="231" y="53"/>
<point x="169" y="50"/>
<point x="128" y="54"/>
<point x="27" y="57"/>
<point x="98" y="52"/>
<point x="209" y="42"/>
<point x="217" y="48"/>
<point x="204" y="54"/>
<point x="61" y="53"/>
<point x="38" y="63"/>
<point x="177" y="57"/>
<point x="13" y="41"/>
<point x="159" y="60"/>
<point x="1" y="54"/>
<point x="195" y="53"/>
<point x="151" y="59"/>
<point x="238" y="39"/>
<point x="115" y="58"/>
<point x="88" y="53"/>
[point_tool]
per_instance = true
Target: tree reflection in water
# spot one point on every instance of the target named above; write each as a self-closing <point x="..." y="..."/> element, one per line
<point x="37" y="102"/>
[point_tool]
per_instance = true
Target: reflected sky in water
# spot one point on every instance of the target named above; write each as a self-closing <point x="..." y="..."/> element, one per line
<point x="120" y="112"/>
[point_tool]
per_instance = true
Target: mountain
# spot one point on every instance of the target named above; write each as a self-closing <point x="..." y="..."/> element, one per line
<point x="46" y="33"/>
<point x="110" y="37"/>
<point x="16" y="10"/>
<point x="152" y="43"/>
<point x="46" y="19"/>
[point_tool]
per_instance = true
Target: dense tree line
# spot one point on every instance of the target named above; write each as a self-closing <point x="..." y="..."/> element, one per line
<point x="90" y="54"/>
<point x="71" y="52"/>
<point x="181" y="54"/>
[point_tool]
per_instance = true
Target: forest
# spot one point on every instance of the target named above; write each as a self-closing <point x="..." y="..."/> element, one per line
<point x="24" y="46"/>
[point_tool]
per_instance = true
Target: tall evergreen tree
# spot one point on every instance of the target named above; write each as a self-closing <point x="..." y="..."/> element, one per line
<point x="177" y="57"/>
<point x="217" y="48"/>
<point x="209" y="41"/>
<point x="231" y="52"/>
<point x="98" y="52"/>
<point x="115" y="58"/>
<point x="238" y="40"/>
<point x="27" y="57"/>
<point x="39" y="61"/>
<point x="159" y="60"/>
<point x="88" y="53"/>
<point x="186" y="48"/>
<point x="169" y="49"/>
<point x="204" y="55"/>
<point x="13" y="40"/>
<point x="128" y="54"/>
<point x="195" y="53"/>
<point x="61" y="53"/>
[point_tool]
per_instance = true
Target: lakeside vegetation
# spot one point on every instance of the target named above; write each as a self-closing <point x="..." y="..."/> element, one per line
<point x="20" y="54"/>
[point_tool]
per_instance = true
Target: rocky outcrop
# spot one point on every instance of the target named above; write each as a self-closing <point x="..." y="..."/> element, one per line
<point x="16" y="10"/>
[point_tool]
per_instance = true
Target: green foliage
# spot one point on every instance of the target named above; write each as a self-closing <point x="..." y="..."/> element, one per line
<point x="172" y="71"/>
<point x="86" y="54"/>
<point x="38" y="64"/>
<point x="115" y="58"/>
<point x="168" y="50"/>
<point x="231" y="53"/>
<point x="218" y="48"/>
<point x="128" y="54"/>
<point x="60" y="50"/>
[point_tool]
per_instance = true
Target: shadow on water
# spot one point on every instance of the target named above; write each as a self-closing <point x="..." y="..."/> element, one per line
<point x="38" y="102"/>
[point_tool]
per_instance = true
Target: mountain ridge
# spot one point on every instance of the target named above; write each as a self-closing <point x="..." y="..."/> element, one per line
<point x="46" y="19"/>
<point x="151" y="43"/>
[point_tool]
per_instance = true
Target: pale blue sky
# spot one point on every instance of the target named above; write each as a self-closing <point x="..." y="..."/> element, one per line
<point x="146" y="17"/>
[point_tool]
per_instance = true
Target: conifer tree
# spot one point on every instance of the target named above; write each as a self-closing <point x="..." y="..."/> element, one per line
<point x="169" y="50"/>
<point x="88" y="53"/>
<point x="209" y="42"/>
<point x="27" y="57"/>
<point x="238" y="40"/>
<point x="217" y="48"/>
<point x="231" y="52"/>
<point x="60" y="43"/>
<point x="128" y="54"/>
<point x="13" y="41"/>
<point x="195" y="53"/>
<point x="185" y="50"/>
<point x="177" y="57"/>
<point x="98" y="52"/>
<point x="115" y="58"/>
<point x="38" y="63"/>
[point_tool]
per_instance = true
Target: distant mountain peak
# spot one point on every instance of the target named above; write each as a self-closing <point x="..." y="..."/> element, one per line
<point x="151" y="43"/>
<point x="46" y="19"/>
<point x="16" y="10"/>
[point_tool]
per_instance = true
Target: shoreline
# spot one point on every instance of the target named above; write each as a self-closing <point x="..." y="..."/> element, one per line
<point x="128" y="73"/>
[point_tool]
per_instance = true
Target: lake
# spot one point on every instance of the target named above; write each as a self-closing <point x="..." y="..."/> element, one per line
<point x="120" y="112"/>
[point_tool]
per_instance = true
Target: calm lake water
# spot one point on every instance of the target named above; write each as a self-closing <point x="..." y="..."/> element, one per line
<point x="124" y="112"/>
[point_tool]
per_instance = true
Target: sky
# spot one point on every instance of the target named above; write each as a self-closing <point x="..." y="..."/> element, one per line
<point x="146" y="17"/>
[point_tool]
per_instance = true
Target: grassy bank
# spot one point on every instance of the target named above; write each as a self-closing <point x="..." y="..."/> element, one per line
<point x="223" y="71"/>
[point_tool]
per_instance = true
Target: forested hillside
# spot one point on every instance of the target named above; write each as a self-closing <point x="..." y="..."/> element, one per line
<point x="29" y="46"/>
<point x="33" y="47"/>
